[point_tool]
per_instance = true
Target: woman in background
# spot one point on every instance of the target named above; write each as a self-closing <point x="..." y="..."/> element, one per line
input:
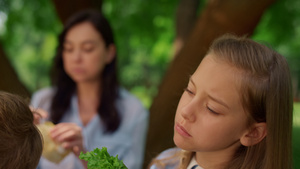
<point x="86" y="103"/>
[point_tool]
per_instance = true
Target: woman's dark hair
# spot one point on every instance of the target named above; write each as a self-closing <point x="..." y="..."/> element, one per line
<point x="65" y="86"/>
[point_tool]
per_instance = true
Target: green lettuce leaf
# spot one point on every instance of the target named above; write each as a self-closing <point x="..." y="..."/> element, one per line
<point x="100" y="159"/>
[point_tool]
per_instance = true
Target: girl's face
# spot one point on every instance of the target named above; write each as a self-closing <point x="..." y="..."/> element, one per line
<point x="210" y="117"/>
<point x="85" y="54"/>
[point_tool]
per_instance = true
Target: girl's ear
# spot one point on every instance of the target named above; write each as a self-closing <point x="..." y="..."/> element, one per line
<point x="111" y="53"/>
<point x="255" y="134"/>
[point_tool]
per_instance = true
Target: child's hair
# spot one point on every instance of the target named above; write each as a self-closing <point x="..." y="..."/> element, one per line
<point x="20" y="141"/>
<point x="266" y="95"/>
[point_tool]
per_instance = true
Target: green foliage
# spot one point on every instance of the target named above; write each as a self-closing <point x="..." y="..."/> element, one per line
<point x="280" y="27"/>
<point x="297" y="114"/>
<point x="296" y="135"/>
<point x="100" y="159"/>
<point x="144" y="33"/>
<point x="144" y="39"/>
<point x="29" y="39"/>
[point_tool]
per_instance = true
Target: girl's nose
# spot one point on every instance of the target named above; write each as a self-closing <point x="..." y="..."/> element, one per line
<point x="188" y="111"/>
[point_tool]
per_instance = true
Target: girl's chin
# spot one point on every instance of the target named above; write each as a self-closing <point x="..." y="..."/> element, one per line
<point x="181" y="143"/>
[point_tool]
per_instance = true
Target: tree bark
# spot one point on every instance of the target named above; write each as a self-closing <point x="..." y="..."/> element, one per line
<point x="66" y="8"/>
<point x="9" y="79"/>
<point x="218" y="17"/>
<point x="186" y="16"/>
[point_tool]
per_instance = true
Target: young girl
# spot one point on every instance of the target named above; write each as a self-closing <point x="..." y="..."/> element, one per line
<point x="86" y="103"/>
<point x="236" y="112"/>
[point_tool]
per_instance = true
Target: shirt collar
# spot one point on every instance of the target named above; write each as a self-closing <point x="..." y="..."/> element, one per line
<point x="193" y="162"/>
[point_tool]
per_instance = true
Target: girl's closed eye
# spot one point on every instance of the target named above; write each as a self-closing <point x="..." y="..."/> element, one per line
<point x="189" y="91"/>
<point x="212" y="111"/>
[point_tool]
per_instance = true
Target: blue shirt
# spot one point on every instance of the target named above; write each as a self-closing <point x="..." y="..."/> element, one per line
<point x="128" y="141"/>
<point x="168" y="159"/>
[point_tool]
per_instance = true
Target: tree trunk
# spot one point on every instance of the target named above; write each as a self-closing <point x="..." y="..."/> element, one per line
<point x="66" y="8"/>
<point x="9" y="79"/>
<point x="218" y="17"/>
<point x="186" y="17"/>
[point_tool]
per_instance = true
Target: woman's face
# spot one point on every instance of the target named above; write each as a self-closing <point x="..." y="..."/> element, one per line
<point x="85" y="54"/>
<point x="210" y="116"/>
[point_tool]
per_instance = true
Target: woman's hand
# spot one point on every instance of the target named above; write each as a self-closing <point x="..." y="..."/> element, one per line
<point x="39" y="115"/>
<point x="69" y="135"/>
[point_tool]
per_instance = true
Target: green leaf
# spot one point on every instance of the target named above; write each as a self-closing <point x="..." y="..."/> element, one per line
<point x="100" y="159"/>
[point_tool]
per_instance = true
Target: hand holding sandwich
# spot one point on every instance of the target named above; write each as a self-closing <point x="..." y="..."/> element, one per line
<point x="69" y="135"/>
<point x="59" y="139"/>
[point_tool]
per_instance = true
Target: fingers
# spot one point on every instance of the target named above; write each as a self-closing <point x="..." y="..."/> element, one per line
<point x="38" y="114"/>
<point x="36" y="118"/>
<point x="69" y="136"/>
<point x="65" y="132"/>
<point x="75" y="146"/>
<point x="77" y="150"/>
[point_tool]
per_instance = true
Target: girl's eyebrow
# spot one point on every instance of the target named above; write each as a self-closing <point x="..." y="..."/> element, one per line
<point x="211" y="97"/>
<point x="218" y="101"/>
<point x="192" y="81"/>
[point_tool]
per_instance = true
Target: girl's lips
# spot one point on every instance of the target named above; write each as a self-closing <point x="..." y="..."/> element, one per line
<point x="181" y="130"/>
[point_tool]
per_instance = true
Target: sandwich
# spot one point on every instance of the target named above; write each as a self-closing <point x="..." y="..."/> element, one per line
<point x="52" y="151"/>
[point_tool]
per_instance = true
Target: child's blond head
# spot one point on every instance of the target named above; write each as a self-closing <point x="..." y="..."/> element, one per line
<point x="266" y="94"/>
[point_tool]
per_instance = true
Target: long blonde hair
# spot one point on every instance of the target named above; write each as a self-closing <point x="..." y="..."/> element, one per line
<point x="266" y="94"/>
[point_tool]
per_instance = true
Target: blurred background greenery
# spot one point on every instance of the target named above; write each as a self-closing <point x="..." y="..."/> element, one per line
<point x="28" y="32"/>
<point x="296" y="136"/>
<point x="144" y="33"/>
